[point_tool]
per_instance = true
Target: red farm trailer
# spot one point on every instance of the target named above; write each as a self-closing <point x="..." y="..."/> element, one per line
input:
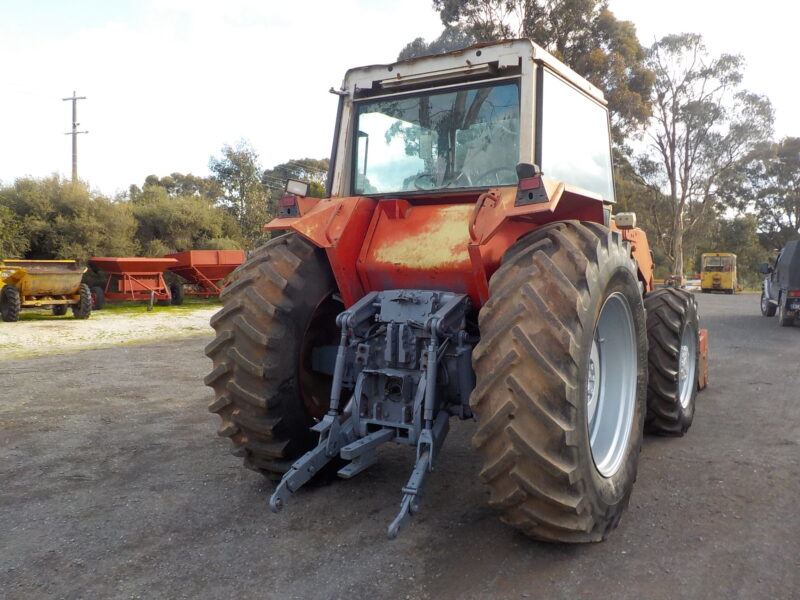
<point x="204" y="271"/>
<point x="132" y="278"/>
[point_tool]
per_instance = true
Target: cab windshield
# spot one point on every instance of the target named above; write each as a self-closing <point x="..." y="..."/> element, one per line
<point x="464" y="138"/>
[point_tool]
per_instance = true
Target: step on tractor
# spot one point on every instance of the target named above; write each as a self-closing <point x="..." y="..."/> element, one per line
<point x="465" y="264"/>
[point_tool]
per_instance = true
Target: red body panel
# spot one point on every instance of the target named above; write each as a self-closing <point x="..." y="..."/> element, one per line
<point x="702" y="377"/>
<point x="452" y="242"/>
<point x="131" y="265"/>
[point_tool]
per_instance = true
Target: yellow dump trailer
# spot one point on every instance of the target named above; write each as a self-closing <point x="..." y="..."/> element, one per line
<point x="718" y="272"/>
<point x="36" y="283"/>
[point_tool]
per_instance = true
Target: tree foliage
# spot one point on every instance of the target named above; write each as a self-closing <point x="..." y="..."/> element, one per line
<point x="584" y="34"/>
<point x="703" y="126"/>
<point x="13" y="241"/>
<point x="768" y="185"/>
<point x="238" y="174"/>
<point x="173" y="219"/>
<point x="178" y="184"/>
<point x="56" y="219"/>
<point x="452" y="37"/>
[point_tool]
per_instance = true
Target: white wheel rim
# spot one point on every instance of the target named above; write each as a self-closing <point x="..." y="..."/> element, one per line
<point x="687" y="365"/>
<point x="611" y="385"/>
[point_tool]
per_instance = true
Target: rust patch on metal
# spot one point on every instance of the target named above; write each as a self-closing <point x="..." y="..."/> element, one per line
<point x="441" y="242"/>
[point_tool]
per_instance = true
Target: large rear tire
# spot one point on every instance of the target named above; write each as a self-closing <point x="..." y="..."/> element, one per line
<point x="10" y="303"/>
<point x="673" y="332"/>
<point x="561" y="372"/>
<point x="280" y="305"/>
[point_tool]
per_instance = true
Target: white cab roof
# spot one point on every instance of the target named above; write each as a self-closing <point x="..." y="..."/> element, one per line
<point x="477" y="59"/>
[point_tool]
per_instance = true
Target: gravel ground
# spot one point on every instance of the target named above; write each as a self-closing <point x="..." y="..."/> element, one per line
<point x="52" y="334"/>
<point x="113" y="485"/>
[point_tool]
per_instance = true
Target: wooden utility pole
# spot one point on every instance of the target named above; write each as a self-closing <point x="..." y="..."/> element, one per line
<point x="74" y="133"/>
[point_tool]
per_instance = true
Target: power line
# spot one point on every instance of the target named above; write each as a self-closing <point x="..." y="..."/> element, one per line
<point x="74" y="133"/>
<point x="302" y="167"/>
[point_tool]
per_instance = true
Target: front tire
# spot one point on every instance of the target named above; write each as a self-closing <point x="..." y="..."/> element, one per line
<point x="280" y="305"/>
<point x="59" y="310"/>
<point x="83" y="309"/>
<point x="10" y="303"/>
<point x="673" y="331"/>
<point x="561" y="382"/>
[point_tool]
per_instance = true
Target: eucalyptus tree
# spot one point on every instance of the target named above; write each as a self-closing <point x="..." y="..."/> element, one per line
<point x="703" y="125"/>
<point x="584" y="34"/>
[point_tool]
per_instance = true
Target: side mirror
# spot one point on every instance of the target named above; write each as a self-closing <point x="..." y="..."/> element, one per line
<point x="764" y="269"/>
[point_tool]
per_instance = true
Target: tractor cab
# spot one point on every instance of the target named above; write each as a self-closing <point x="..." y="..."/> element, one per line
<point x="460" y="123"/>
<point x="440" y="163"/>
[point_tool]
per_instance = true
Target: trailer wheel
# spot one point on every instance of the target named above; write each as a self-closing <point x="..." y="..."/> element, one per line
<point x="561" y="373"/>
<point x="98" y="298"/>
<point x="83" y="309"/>
<point x="176" y="290"/>
<point x="59" y="310"/>
<point x="10" y="303"/>
<point x="673" y="332"/>
<point x="280" y="305"/>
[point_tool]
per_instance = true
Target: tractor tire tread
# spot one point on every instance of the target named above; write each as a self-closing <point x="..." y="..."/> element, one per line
<point x="668" y="310"/>
<point x="254" y="390"/>
<point x="527" y="373"/>
<point x="83" y="309"/>
<point x="10" y="303"/>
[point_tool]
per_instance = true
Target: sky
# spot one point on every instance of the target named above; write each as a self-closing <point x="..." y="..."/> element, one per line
<point x="169" y="82"/>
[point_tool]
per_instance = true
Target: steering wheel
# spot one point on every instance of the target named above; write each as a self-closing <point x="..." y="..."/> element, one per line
<point x="495" y="173"/>
<point x="422" y="176"/>
<point x="454" y="182"/>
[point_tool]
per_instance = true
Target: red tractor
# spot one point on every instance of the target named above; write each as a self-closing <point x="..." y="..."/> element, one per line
<point x="466" y="264"/>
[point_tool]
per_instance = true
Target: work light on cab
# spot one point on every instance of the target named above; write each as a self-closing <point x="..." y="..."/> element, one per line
<point x="288" y="204"/>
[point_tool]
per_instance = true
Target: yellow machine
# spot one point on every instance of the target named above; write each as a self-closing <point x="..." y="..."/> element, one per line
<point x="718" y="272"/>
<point x="37" y="283"/>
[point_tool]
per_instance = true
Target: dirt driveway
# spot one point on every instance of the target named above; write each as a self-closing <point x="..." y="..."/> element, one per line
<point x="113" y="485"/>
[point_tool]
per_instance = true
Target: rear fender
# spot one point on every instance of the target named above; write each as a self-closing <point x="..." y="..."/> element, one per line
<point x="338" y="225"/>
